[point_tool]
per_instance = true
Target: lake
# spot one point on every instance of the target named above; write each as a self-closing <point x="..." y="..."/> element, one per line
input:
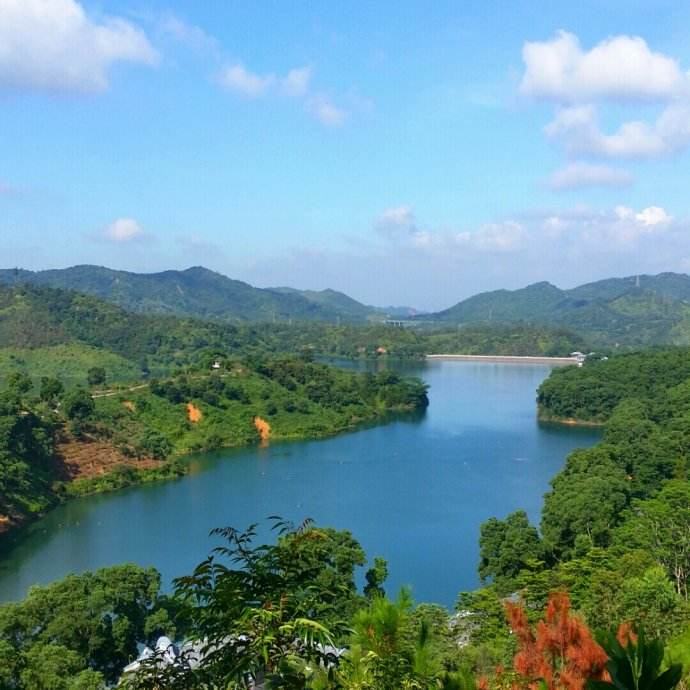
<point x="414" y="491"/>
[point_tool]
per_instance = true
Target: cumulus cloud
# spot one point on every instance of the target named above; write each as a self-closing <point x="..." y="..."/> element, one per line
<point x="396" y="220"/>
<point x="190" y="35"/>
<point x="567" y="246"/>
<point x="580" y="175"/>
<point x="508" y="236"/>
<point x="650" y="216"/>
<point x="618" y="68"/>
<point x="295" y="84"/>
<point x="52" y="45"/>
<point x="296" y="81"/>
<point x="124" y="230"/>
<point x="241" y="81"/>
<point x="325" y="111"/>
<point x="577" y="130"/>
<point x="618" y="228"/>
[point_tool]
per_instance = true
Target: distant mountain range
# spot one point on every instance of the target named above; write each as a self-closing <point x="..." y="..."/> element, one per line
<point x="633" y="311"/>
<point x="204" y="294"/>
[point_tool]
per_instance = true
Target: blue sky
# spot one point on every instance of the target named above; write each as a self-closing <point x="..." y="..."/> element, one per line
<point x="403" y="152"/>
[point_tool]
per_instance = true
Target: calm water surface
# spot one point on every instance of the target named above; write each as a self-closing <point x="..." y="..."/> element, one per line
<point x="414" y="491"/>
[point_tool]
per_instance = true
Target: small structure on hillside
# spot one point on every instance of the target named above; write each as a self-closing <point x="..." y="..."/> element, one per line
<point x="216" y="365"/>
<point x="579" y="357"/>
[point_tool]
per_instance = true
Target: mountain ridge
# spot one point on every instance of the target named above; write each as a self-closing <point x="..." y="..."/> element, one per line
<point x="195" y="291"/>
<point x="633" y="311"/>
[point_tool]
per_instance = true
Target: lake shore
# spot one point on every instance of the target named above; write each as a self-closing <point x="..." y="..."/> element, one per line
<point x="506" y="359"/>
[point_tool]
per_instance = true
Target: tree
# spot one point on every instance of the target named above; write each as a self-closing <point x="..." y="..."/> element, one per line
<point x="96" y="376"/>
<point x="274" y="599"/>
<point x="85" y="627"/>
<point x="662" y="525"/>
<point x="508" y="546"/>
<point x="375" y="578"/>
<point x="560" y="653"/>
<point x="653" y="603"/>
<point x="79" y="405"/>
<point x="587" y="499"/>
<point x="19" y="383"/>
<point x="51" y="390"/>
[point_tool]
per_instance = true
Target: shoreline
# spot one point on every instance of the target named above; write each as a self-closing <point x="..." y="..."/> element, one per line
<point x="506" y="359"/>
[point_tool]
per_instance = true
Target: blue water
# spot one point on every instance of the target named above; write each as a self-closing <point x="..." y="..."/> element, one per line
<point x="413" y="491"/>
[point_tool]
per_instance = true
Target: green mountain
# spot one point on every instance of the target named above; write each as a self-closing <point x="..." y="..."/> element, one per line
<point x="195" y="292"/>
<point x="48" y="331"/>
<point x="347" y="308"/>
<point x="633" y="311"/>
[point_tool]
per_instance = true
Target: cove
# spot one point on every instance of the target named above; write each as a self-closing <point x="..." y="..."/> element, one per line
<point x="414" y="490"/>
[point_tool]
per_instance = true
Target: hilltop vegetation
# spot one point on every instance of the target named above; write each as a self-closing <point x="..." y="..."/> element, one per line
<point x="50" y="332"/>
<point x="628" y="312"/>
<point x="195" y="292"/>
<point x="592" y="393"/>
<point x="132" y="432"/>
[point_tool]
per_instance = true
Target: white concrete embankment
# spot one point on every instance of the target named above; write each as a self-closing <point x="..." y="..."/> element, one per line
<point x="506" y="359"/>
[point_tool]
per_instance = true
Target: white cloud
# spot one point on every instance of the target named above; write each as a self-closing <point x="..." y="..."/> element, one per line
<point x="567" y="246"/>
<point x="579" y="175"/>
<point x="577" y="130"/>
<point x="620" y="228"/>
<point x="296" y="81"/>
<point x="652" y="215"/>
<point x="241" y="81"/>
<point x="51" y="45"/>
<point x="508" y="236"/>
<point x="396" y="221"/>
<point x="189" y="35"/>
<point x="124" y="230"/>
<point x="618" y="68"/>
<point x="295" y="84"/>
<point x="325" y="111"/>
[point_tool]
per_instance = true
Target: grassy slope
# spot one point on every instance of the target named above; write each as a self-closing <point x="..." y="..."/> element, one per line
<point x="68" y="361"/>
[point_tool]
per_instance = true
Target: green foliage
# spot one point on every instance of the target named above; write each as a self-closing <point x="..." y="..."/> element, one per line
<point x="69" y="362"/>
<point x="195" y="292"/>
<point x="636" y="665"/>
<point x="661" y="525"/>
<point x="26" y="451"/>
<point x="629" y="312"/>
<point x="592" y="392"/>
<point x="508" y="546"/>
<point x="78" y="632"/>
<point x="79" y="405"/>
<point x="375" y="578"/>
<point x="586" y="500"/>
<point x="51" y="390"/>
<point x="96" y="376"/>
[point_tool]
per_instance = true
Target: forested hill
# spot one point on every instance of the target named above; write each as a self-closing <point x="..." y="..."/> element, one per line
<point x="196" y="292"/>
<point x="633" y="311"/>
<point x="44" y="320"/>
<point x="52" y="332"/>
